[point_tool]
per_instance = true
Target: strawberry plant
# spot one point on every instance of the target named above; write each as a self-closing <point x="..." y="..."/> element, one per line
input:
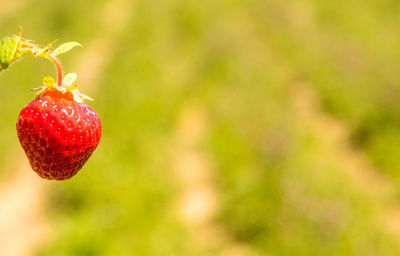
<point x="57" y="131"/>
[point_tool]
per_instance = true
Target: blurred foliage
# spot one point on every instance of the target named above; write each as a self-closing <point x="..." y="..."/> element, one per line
<point x="284" y="187"/>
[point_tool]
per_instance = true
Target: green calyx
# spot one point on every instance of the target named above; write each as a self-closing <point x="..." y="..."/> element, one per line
<point x="68" y="86"/>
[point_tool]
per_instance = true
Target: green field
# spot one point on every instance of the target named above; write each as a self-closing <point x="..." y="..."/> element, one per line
<point x="289" y="109"/>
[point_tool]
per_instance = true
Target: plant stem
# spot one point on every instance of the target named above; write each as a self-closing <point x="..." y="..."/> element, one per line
<point x="58" y="66"/>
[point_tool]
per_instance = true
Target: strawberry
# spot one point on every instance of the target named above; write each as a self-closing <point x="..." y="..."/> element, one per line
<point x="57" y="132"/>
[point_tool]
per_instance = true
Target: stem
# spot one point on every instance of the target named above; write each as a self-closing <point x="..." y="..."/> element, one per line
<point x="58" y="66"/>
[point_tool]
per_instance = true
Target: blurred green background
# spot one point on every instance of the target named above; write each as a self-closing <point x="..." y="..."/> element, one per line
<point x="232" y="128"/>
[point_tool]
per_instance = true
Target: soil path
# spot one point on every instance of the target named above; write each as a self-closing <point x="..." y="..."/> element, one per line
<point x="334" y="137"/>
<point x="199" y="197"/>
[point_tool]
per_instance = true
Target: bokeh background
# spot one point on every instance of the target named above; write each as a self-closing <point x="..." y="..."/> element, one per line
<point x="230" y="128"/>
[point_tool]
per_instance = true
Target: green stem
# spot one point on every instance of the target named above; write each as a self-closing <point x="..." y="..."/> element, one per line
<point x="58" y="66"/>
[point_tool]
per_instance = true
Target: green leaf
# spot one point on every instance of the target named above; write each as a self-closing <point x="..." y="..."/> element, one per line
<point x="8" y="48"/>
<point x="65" y="48"/>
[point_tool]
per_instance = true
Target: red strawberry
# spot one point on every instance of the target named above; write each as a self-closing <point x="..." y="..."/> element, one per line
<point x="57" y="133"/>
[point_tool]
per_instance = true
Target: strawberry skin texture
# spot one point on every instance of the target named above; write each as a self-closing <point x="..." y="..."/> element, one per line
<point x="58" y="134"/>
